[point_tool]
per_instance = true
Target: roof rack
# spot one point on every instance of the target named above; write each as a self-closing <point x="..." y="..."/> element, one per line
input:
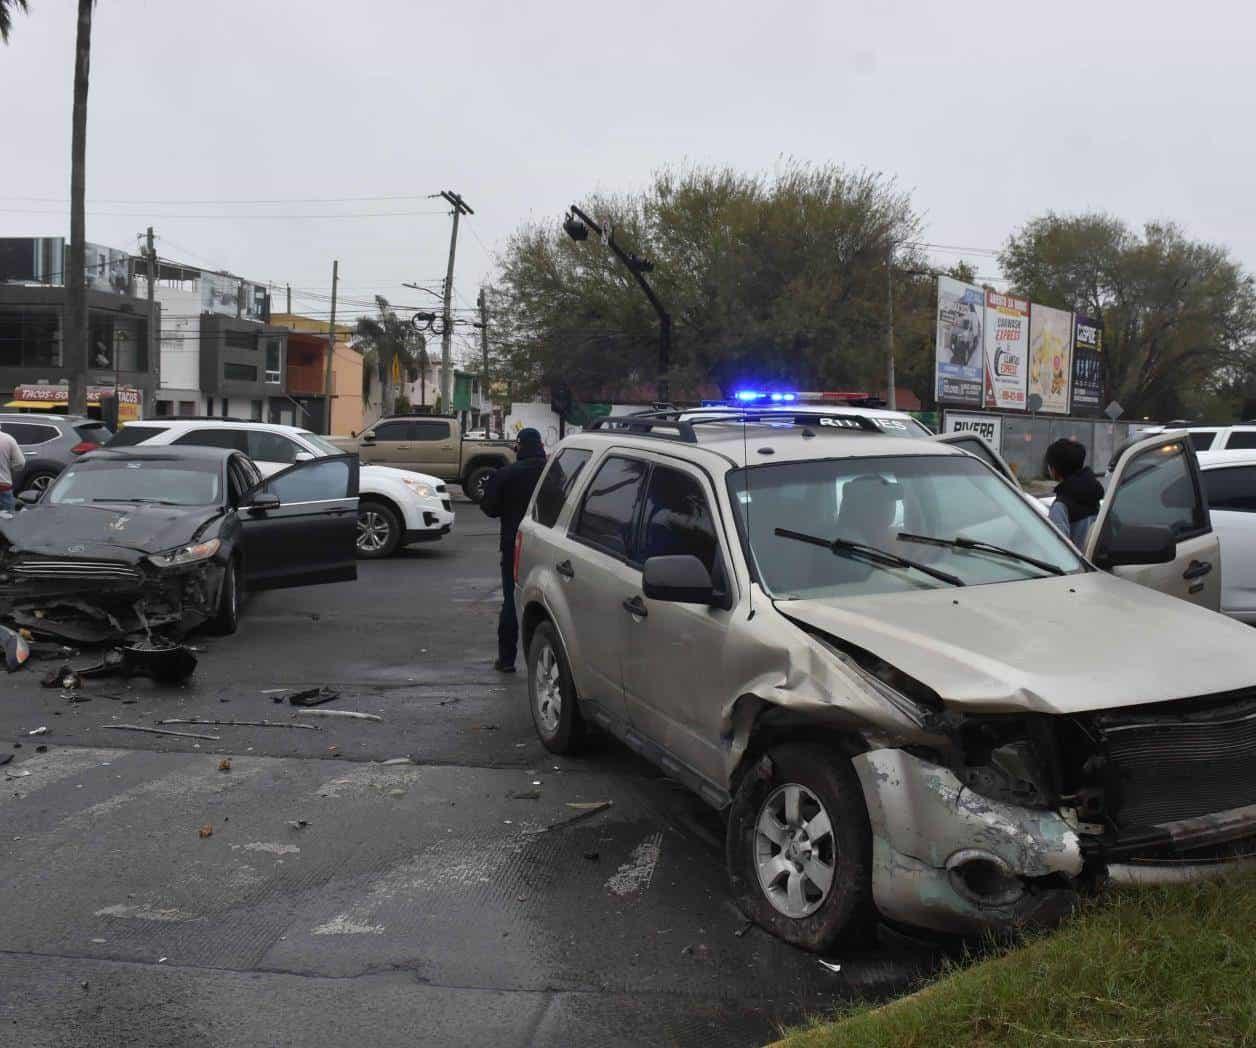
<point x="666" y="423"/>
<point x="645" y="424"/>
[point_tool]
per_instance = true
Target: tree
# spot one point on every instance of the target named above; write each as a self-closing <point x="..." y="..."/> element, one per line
<point x="768" y="279"/>
<point x="75" y="286"/>
<point x="7" y="7"/>
<point x="387" y="339"/>
<point x="1179" y="316"/>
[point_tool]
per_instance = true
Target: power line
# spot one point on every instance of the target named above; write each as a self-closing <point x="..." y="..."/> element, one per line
<point x="229" y="218"/>
<point x="282" y="200"/>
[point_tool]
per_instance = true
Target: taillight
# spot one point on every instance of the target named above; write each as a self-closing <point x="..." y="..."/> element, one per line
<point x="518" y="552"/>
<point x="83" y="447"/>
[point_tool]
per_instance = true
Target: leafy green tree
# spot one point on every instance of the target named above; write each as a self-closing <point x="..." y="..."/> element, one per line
<point x="1179" y="315"/>
<point x="386" y="338"/>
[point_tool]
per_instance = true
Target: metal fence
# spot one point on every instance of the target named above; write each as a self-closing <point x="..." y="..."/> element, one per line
<point x="1024" y="440"/>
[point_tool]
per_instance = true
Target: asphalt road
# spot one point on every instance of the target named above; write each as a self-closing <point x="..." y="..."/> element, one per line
<point x="467" y="897"/>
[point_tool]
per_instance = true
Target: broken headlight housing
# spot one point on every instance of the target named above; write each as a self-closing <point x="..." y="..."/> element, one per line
<point x="175" y="558"/>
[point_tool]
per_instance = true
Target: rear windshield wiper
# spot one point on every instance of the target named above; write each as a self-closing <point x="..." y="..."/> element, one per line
<point x="872" y="554"/>
<point x="959" y="542"/>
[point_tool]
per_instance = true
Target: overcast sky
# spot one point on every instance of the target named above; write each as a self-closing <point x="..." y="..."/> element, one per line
<point x="989" y="113"/>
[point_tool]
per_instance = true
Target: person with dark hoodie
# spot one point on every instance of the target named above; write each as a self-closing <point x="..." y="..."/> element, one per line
<point x="506" y="496"/>
<point x="1077" y="490"/>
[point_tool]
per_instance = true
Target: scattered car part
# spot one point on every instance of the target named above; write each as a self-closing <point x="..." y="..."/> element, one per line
<point x="313" y="696"/>
<point x="166" y="664"/>
<point x="160" y="731"/>
<point x="348" y="714"/>
<point x="16" y="649"/>
<point x="42" y="730"/>
<point x="241" y="723"/>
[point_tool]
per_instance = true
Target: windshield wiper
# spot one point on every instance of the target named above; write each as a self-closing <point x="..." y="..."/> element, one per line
<point x="154" y="502"/>
<point x="959" y="542"/>
<point x="872" y="554"/>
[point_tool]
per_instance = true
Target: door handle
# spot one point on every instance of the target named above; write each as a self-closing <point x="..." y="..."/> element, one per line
<point x="565" y="569"/>
<point x="636" y="606"/>
<point x="1197" y="570"/>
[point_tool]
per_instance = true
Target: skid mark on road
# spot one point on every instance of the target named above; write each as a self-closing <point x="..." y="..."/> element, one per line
<point x="633" y="877"/>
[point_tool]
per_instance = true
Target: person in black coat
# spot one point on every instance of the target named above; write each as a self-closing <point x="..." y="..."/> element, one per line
<point x="506" y="496"/>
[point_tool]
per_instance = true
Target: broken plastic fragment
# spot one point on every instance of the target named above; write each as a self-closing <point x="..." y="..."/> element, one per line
<point x="313" y="696"/>
<point x="16" y="649"/>
<point x="831" y="966"/>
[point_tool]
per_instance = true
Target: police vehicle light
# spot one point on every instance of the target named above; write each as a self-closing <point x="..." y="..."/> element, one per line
<point x="747" y="394"/>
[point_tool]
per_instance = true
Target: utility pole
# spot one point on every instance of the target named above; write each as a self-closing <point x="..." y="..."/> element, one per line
<point x="483" y="302"/>
<point x="890" y="398"/>
<point x="150" y="253"/>
<point x="460" y="207"/>
<point x="289" y="309"/>
<point x="331" y="340"/>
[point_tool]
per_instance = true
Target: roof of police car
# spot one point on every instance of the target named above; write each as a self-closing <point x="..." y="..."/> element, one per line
<point x="788" y="442"/>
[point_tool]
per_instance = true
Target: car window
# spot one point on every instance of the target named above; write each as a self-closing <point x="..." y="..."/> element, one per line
<point x="237" y="481"/>
<point x="1157" y="489"/>
<point x="1241" y="438"/>
<point x="677" y="519"/>
<point x="609" y="510"/>
<point x="271" y="447"/>
<point x="1232" y="488"/>
<point x="393" y="431"/>
<point x="95" y="432"/>
<point x="213" y="438"/>
<point x="28" y="434"/>
<point x="430" y="430"/>
<point x="187" y="483"/>
<point x="129" y="436"/>
<point x="557" y="482"/>
<point x="316" y="481"/>
<point x="1202" y="440"/>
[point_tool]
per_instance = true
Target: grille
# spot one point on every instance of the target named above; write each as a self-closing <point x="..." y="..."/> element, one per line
<point x="76" y="571"/>
<point x="441" y="489"/>
<point x="1198" y="759"/>
<point x="446" y="505"/>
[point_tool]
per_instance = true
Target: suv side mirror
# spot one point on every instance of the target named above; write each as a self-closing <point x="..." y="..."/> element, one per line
<point x="368" y="437"/>
<point x="262" y="501"/>
<point x="1137" y="544"/>
<point x="680" y="579"/>
<point x="30" y="496"/>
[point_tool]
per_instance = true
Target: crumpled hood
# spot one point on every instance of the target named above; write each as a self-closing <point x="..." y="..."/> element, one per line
<point x="104" y="532"/>
<point x="1058" y="645"/>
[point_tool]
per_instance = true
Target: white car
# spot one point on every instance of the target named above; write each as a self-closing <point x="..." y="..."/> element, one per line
<point x="395" y="507"/>
<point x="1240" y="437"/>
<point x="1230" y="481"/>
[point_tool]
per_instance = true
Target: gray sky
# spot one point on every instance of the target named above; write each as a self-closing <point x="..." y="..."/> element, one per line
<point x="988" y="112"/>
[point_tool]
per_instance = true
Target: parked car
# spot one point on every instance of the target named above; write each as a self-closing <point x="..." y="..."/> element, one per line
<point x="1241" y="437"/>
<point x="50" y="443"/>
<point x="431" y="444"/>
<point x="909" y="693"/>
<point x="1230" y="481"/>
<point x="396" y="507"/>
<point x="128" y="541"/>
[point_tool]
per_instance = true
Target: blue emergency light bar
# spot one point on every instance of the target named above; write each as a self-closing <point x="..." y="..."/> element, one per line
<point x="749" y="396"/>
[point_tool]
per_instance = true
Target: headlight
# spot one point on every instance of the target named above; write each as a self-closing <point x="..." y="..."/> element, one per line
<point x="185" y="554"/>
<point x="419" y="487"/>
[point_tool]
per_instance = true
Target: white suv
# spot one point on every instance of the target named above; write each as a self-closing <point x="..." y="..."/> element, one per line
<point x="395" y="507"/>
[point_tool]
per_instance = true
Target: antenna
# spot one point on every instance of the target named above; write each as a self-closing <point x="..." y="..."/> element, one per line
<point x="745" y="460"/>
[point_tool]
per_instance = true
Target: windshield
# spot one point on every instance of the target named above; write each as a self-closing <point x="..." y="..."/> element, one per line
<point x="160" y="481"/>
<point x="871" y="501"/>
<point x="324" y="446"/>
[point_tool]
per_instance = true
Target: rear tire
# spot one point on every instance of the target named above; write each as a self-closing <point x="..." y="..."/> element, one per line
<point x="476" y="482"/>
<point x="799" y="849"/>
<point x="552" y="694"/>
<point x="227" y="619"/>
<point x="379" y="530"/>
<point x="40" y="482"/>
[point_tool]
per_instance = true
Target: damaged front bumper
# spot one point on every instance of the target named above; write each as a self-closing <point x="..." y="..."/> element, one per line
<point x="950" y="860"/>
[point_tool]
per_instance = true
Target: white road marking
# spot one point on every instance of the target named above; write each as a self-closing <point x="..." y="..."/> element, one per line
<point x="634" y="876"/>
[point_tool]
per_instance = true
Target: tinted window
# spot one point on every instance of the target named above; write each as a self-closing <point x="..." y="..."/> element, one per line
<point x="430" y="430"/>
<point x="610" y="505"/>
<point x="28" y="433"/>
<point x="392" y="431"/>
<point x="1202" y="441"/>
<point x="129" y="436"/>
<point x="677" y="519"/>
<point x="557" y="482"/>
<point x="1233" y="488"/>
<point x="96" y="432"/>
<point x="213" y="438"/>
<point x="1242" y="438"/>
<point x="1157" y="489"/>
<point x="315" y="481"/>
<point x="271" y="447"/>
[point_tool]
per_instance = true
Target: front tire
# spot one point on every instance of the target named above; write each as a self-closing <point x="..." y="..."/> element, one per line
<point x="379" y="530"/>
<point x="552" y="694"/>
<point x="227" y="619"/>
<point x="799" y="848"/>
<point x="476" y="483"/>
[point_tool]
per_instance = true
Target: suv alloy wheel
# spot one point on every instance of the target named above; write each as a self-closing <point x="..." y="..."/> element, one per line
<point x="551" y="693"/>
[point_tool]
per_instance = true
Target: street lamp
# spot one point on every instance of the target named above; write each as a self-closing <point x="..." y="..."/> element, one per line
<point x="577" y="225"/>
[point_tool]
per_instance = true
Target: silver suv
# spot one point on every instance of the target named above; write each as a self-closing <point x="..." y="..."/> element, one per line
<point x="50" y="443"/>
<point x="911" y="695"/>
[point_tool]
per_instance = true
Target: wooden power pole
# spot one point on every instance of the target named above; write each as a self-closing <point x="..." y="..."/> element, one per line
<point x="331" y="343"/>
<point x="460" y="207"/>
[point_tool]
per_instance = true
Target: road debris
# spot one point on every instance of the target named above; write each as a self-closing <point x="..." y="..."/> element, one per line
<point x="593" y="856"/>
<point x="348" y="714"/>
<point x="17" y="649"/>
<point x="240" y="723"/>
<point x="160" y="731"/>
<point x="395" y="760"/>
<point x="41" y="730"/>
<point x="743" y="929"/>
<point x="5" y="758"/>
<point x="224" y="764"/>
<point x="590" y="807"/>
<point x="831" y="966"/>
<point x="206" y="831"/>
<point x="524" y="795"/>
<point x="313" y="696"/>
<point x="297" y="824"/>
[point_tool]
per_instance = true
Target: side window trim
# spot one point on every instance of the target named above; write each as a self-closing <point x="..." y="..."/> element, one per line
<point x="722" y="572"/>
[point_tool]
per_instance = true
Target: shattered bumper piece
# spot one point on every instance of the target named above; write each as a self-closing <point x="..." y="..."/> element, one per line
<point x="951" y="860"/>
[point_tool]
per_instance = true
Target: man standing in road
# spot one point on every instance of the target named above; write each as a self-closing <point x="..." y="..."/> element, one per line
<point x="1077" y="493"/>
<point x="12" y="462"/>
<point x="506" y="495"/>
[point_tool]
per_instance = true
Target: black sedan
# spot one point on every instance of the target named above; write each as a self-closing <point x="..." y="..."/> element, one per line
<point x="131" y="541"/>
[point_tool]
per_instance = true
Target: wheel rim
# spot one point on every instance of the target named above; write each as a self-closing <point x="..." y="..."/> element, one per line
<point x="373" y="531"/>
<point x="41" y="483"/>
<point x="548" y="688"/>
<point x="477" y="488"/>
<point x="794" y="850"/>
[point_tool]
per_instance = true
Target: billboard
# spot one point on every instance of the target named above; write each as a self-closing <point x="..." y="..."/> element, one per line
<point x="1006" y="351"/>
<point x="1050" y="357"/>
<point x="32" y="260"/>
<point x="220" y="294"/>
<point x="106" y="269"/>
<point x="1087" y="366"/>
<point x="988" y="426"/>
<point x="957" y="352"/>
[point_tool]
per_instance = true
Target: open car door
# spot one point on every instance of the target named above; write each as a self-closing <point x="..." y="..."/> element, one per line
<point x="1154" y="486"/>
<point x="975" y="444"/>
<point x="300" y="525"/>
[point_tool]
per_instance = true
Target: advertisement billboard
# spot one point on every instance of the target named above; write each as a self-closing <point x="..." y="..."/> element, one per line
<point x="32" y="260"/>
<point x="1006" y="351"/>
<point x="1050" y="357"/>
<point x="105" y="268"/>
<point x="1087" y="366"/>
<point x="957" y="353"/>
<point x="988" y="426"/>
<point x="220" y="294"/>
